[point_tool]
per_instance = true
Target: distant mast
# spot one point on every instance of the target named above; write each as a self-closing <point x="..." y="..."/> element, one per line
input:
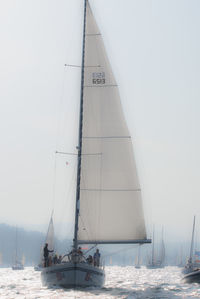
<point x="153" y="249"/>
<point x="192" y="241"/>
<point x="16" y="242"/>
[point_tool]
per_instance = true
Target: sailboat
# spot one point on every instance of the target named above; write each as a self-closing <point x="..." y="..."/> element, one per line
<point x="192" y="269"/>
<point x="0" y="259"/>
<point x="157" y="261"/>
<point x="18" y="265"/>
<point x="180" y="263"/>
<point x="108" y="207"/>
<point x="50" y="241"/>
<point x="138" y="262"/>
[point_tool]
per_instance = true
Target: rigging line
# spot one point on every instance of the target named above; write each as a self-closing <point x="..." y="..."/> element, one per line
<point x="57" y="124"/>
<point x="91" y="248"/>
<point x="63" y="153"/>
<point x="54" y="184"/>
<point x="74" y="154"/>
<point x="67" y="205"/>
<point x="79" y="66"/>
<point x="100" y="196"/>
<point x="120" y="250"/>
<point x="72" y="65"/>
<point x="84" y="226"/>
<point x="87" y="209"/>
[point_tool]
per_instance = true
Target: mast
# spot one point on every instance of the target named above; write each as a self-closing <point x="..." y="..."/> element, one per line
<point x="138" y="256"/>
<point x="192" y="241"/>
<point x="162" y="248"/>
<point x="16" y="246"/>
<point x="152" y="258"/>
<point x="80" y="134"/>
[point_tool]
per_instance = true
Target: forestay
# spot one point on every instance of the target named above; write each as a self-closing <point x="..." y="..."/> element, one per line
<point x="110" y="196"/>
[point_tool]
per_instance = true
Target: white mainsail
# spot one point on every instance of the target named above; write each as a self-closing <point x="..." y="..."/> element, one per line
<point x="110" y="196"/>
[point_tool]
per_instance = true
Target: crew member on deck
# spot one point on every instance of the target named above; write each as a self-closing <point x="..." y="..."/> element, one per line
<point x="79" y="251"/>
<point x="46" y="255"/>
<point x="97" y="258"/>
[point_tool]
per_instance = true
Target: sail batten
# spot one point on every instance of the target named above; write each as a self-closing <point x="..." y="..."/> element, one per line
<point x="110" y="195"/>
<point x="106" y="137"/>
<point x="112" y="190"/>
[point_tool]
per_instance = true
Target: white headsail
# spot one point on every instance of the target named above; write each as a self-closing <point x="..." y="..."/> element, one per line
<point x="110" y="196"/>
<point x="50" y="234"/>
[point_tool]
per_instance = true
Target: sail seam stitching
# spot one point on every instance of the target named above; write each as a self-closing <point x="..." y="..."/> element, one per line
<point x="104" y="137"/>
<point x="92" y="34"/>
<point x="112" y="190"/>
<point x="109" y="85"/>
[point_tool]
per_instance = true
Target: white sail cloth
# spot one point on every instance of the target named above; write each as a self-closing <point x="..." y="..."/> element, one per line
<point x="110" y="196"/>
<point x="50" y="235"/>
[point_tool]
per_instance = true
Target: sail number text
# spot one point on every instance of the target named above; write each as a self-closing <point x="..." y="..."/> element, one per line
<point x="98" y="78"/>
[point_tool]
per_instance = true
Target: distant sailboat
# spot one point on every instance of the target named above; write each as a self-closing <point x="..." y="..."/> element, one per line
<point x="157" y="260"/>
<point x="0" y="258"/>
<point x="191" y="269"/>
<point x="108" y="208"/>
<point x="190" y="266"/>
<point x="110" y="261"/>
<point x="18" y="265"/>
<point x="180" y="263"/>
<point x="138" y="261"/>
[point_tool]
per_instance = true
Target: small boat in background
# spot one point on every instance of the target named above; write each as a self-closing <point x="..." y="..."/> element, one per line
<point x="138" y="261"/>
<point x="18" y="265"/>
<point x="38" y="267"/>
<point x="192" y="268"/>
<point x="192" y="277"/>
<point x="157" y="262"/>
<point x="180" y="263"/>
<point x="190" y="265"/>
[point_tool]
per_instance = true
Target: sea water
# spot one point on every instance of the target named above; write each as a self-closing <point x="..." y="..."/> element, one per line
<point x="121" y="282"/>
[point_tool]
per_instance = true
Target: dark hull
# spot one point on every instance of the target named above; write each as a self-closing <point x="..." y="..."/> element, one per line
<point x="155" y="266"/>
<point x="73" y="275"/>
<point x="17" y="267"/>
<point x="193" y="277"/>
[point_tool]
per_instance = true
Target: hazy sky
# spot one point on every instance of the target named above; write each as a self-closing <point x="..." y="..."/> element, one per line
<point x="153" y="47"/>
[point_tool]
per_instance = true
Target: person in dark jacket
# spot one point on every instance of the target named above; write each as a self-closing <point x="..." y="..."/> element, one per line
<point x="46" y="255"/>
<point x="96" y="258"/>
